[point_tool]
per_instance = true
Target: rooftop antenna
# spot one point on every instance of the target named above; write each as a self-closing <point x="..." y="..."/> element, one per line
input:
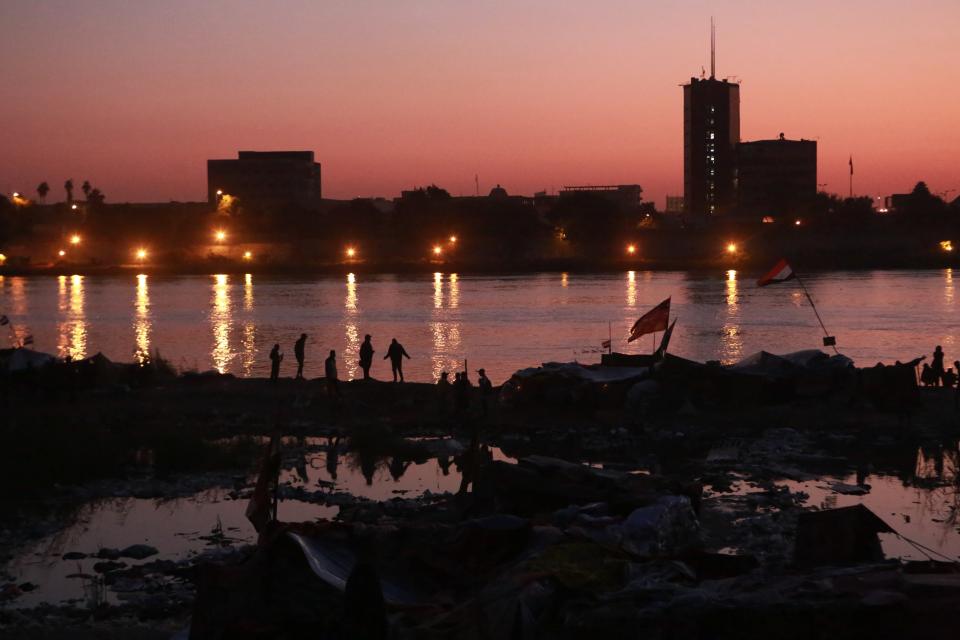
<point x="713" y="50"/>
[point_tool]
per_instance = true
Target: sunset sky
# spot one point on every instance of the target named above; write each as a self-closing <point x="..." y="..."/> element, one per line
<point x="135" y="96"/>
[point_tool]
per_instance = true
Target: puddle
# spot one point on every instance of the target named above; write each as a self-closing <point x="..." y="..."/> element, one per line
<point x="177" y="527"/>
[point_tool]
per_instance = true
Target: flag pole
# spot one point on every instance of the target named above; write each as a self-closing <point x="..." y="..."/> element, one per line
<point x="814" y="307"/>
<point x="609" y="337"/>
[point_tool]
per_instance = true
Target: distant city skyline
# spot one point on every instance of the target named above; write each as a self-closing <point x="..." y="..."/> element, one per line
<point x="135" y="97"/>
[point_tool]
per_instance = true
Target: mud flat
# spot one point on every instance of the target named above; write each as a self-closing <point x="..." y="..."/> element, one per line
<point x="673" y="501"/>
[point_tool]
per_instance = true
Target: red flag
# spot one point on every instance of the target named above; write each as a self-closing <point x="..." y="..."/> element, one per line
<point x="654" y="320"/>
<point x="781" y="272"/>
<point x="851" y="165"/>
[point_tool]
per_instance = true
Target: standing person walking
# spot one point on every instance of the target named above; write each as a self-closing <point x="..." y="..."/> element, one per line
<point x="298" y="352"/>
<point x="330" y="372"/>
<point x="275" y="359"/>
<point x="366" y="356"/>
<point x="396" y="353"/>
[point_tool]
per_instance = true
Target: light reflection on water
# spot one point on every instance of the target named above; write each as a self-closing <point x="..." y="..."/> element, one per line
<point x="351" y="356"/>
<point x="222" y="322"/>
<point x="732" y="341"/>
<point x="72" y="341"/>
<point x="141" y="323"/>
<point x="502" y="323"/>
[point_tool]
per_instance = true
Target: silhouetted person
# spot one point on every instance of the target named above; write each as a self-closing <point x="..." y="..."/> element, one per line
<point x="937" y="365"/>
<point x="396" y="353"/>
<point x="330" y="372"/>
<point x="366" y="356"/>
<point x="298" y="349"/>
<point x="461" y="393"/>
<point x="949" y="378"/>
<point x="486" y="391"/>
<point x="956" y="396"/>
<point x="927" y="376"/>
<point x="443" y="393"/>
<point x="275" y="359"/>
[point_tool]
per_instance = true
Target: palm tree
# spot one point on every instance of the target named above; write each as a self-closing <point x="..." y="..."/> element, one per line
<point x="95" y="197"/>
<point x="42" y="190"/>
<point x="85" y="187"/>
<point x="68" y="187"/>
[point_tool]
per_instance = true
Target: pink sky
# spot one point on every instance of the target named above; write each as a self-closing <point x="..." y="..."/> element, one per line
<point x="135" y="96"/>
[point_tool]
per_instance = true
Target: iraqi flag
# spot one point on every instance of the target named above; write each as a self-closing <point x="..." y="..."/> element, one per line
<point x="781" y="272"/>
<point x="652" y="321"/>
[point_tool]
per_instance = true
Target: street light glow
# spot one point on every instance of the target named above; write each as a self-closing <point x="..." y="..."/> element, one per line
<point x="437" y="250"/>
<point x="247" y="255"/>
<point x="453" y="239"/>
<point x="947" y="245"/>
<point x="220" y="235"/>
<point x="797" y="222"/>
<point x="351" y="252"/>
<point x="631" y="249"/>
<point x="141" y="254"/>
<point x="74" y="239"/>
<point x="61" y="253"/>
<point x="74" y="207"/>
<point x="731" y="247"/>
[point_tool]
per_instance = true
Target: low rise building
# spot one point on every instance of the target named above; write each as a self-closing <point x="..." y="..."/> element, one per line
<point x="266" y="178"/>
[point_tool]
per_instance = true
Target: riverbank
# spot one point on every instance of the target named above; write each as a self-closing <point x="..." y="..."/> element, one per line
<point x="749" y="469"/>
<point x="721" y="262"/>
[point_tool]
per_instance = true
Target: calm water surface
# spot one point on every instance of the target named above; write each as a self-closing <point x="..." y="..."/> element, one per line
<point x="502" y="323"/>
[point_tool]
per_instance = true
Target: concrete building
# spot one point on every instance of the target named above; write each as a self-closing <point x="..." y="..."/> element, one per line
<point x="625" y="196"/>
<point x="776" y="177"/>
<point x="266" y="178"/>
<point x="711" y="132"/>
<point x="675" y="204"/>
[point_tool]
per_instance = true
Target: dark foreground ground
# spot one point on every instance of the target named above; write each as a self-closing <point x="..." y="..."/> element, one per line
<point x="655" y="537"/>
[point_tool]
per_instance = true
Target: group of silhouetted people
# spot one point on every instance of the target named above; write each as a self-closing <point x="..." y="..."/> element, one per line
<point x="935" y="375"/>
<point x="395" y="353"/>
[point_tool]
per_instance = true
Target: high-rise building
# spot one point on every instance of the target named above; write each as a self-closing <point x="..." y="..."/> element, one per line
<point x="711" y="131"/>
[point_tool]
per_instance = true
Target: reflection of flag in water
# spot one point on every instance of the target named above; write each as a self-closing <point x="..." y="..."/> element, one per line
<point x="781" y="272"/>
<point x="4" y="320"/>
<point x="662" y="350"/>
<point x="654" y="320"/>
<point x="258" y="511"/>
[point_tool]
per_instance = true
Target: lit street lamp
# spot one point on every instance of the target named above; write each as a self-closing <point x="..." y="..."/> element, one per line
<point x="141" y="254"/>
<point x="731" y="248"/>
<point x="351" y="252"/>
<point x="74" y="239"/>
<point x="220" y="235"/>
<point x="631" y="249"/>
<point x="437" y="250"/>
<point x="247" y="255"/>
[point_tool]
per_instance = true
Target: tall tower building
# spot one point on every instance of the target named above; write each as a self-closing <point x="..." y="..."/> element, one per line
<point x="711" y="132"/>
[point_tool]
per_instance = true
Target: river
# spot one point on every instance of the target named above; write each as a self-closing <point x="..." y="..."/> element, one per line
<point x="502" y="323"/>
